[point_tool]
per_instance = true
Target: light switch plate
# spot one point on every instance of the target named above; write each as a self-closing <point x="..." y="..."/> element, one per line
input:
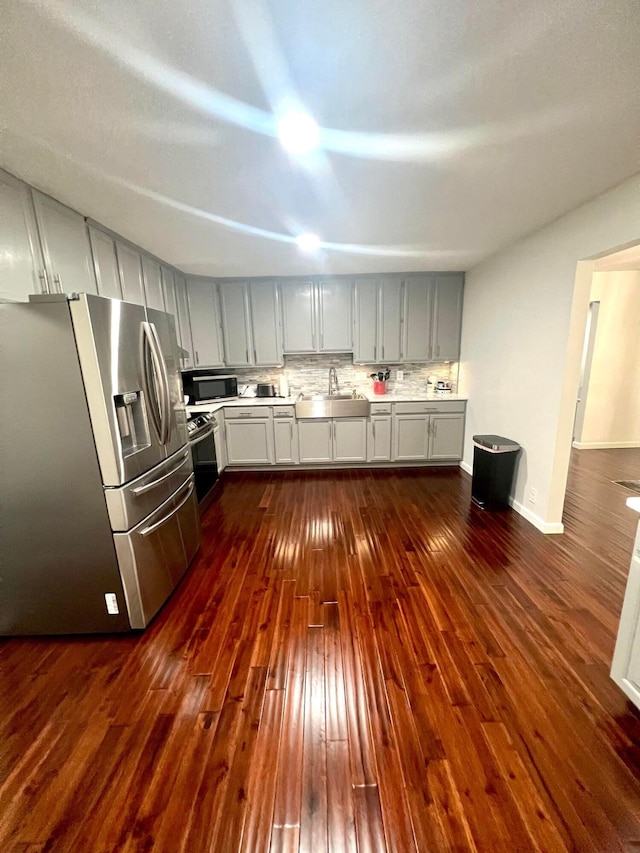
<point x="400" y="375"/>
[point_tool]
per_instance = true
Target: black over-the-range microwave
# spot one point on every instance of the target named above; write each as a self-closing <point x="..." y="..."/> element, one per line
<point x="203" y="386"/>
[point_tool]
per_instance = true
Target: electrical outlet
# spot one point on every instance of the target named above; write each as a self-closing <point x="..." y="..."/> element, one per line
<point x="533" y="496"/>
<point x="400" y="375"/>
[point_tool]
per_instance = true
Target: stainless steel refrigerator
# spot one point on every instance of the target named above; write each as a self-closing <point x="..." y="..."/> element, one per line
<point x="98" y="516"/>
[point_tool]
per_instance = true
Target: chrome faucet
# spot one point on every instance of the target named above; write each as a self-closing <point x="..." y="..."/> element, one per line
<point x="333" y="381"/>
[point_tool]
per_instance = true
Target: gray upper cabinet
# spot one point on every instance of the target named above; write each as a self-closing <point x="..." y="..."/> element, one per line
<point x="65" y="246"/>
<point x="417" y="326"/>
<point x="169" y="292"/>
<point x="184" y="322"/>
<point x="447" y="316"/>
<point x="130" y="268"/>
<point x="205" y="322"/>
<point x="335" y="315"/>
<point x="317" y="316"/>
<point x="105" y="263"/>
<point x="152" y="283"/>
<point x="234" y="319"/>
<point x="378" y="313"/>
<point x="365" y="326"/>
<point x="298" y="316"/>
<point x="21" y="265"/>
<point x="265" y="323"/>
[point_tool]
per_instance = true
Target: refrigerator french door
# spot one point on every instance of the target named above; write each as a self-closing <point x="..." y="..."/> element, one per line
<point x="103" y="519"/>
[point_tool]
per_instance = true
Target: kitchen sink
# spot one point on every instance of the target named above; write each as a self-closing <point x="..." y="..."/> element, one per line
<point x="332" y="406"/>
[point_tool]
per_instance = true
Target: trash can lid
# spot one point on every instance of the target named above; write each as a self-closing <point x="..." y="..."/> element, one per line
<point x="497" y="443"/>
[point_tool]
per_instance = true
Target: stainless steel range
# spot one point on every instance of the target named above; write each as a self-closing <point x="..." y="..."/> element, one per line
<point x="99" y="517"/>
<point x="203" y="454"/>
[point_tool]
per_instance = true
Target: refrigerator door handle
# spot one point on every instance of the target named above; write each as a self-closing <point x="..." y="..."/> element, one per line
<point x="151" y="378"/>
<point x="147" y="530"/>
<point x="166" y="391"/>
<point x="141" y="490"/>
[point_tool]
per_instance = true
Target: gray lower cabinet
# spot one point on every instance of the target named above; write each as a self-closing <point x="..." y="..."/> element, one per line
<point x="105" y="263"/>
<point x="65" y="246"/>
<point x="315" y="440"/>
<point x="220" y="441"/>
<point x="249" y="436"/>
<point x="130" y="268"/>
<point x="447" y="316"/>
<point x="152" y="283"/>
<point x="285" y="436"/>
<point x="379" y="448"/>
<point x="21" y="264"/>
<point x="446" y="436"/>
<point x="411" y="437"/>
<point x="333" y="440"/>
<point x="350" y="439"/>
<point x="205" y="322"/>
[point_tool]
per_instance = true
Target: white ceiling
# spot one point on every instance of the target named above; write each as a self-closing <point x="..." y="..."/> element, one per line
<point x="450" y="128"/>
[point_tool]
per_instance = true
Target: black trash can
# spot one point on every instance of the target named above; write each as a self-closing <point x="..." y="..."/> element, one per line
<point x="494" y="466"/>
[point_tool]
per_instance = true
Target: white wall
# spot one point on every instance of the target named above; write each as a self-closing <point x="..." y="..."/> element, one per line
<point x="612" y="411"/>
<point x="521" y="342"/>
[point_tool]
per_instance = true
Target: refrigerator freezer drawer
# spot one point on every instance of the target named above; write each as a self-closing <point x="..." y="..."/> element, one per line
<point x="152" y="556"/>
<point x="128" y="505"/>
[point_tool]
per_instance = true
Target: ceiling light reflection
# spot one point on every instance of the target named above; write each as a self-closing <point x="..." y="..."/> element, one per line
<point x="308" y="242"/>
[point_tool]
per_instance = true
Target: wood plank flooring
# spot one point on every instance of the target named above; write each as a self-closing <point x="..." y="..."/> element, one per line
<point x="357" y="661"/>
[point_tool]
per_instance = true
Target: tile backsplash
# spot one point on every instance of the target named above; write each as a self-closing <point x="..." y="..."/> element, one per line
<point x="310" y="373"/>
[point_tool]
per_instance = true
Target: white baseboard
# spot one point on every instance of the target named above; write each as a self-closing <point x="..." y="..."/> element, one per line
<point x="539" y="523"/>
<point x="542" y="525"/>
<point x="604" y="445"/>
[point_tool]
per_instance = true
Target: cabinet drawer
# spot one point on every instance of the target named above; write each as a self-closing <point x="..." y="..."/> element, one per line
<point x="381" y="408"/>
<point x="424" y="407"/>
<point x="260" y="413"/>
<point x="284" y="411"/>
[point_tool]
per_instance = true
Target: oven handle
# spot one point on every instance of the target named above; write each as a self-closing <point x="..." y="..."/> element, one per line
<point x="164" y="520"/>
<point x="141" y="490"/>
<point x="206" y="434"/>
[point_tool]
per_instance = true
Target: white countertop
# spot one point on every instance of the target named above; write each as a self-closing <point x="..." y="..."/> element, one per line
<point x="634" y="503"/>
<point x="290" y="401"/>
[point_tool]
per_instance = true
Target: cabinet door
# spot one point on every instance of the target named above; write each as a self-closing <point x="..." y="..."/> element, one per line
<point x="65" y="245"/>
<point x="447" y="317"/>
<point x="625" y="668"/>
<point x="446" y="435"/>
<point x="389" y="322"/>
<point x="350" y="440"/>
<point x="365" y="329"/>
<point x="184" y="323"/>
<point x="298" y="316"/>
<point x="411" y="437"/>
<point x="152" y="283"/>
<point x="314" y="439"/>
<point x="205" y="323"/>
<point x="265" y="323"/>
<point x="130" y="267"/>
<point x="169" y="293"/>
<point x="249" y="442"/>
<point x="417" y="313"/>
<point x="221" y="448"/>
<point x="285" y="441"/>
<point x="234" y="319"/>
<point x="335" y="315"/>
<point x="105" y="263"/>
<point x="21" y="266"/>
<point x="380" y="439"/>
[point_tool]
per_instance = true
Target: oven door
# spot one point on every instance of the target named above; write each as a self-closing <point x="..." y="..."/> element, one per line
<point x="205" y="464"/>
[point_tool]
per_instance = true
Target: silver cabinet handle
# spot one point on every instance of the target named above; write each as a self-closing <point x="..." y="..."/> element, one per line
<point x="375" y="352"/>
<point x="373" y="424"/>
<point x="42" y="275"/>
<point x="438" y="349"/>
<point x="246" y="352"/>
<point x="157" y="524"/>
<point x="383" y="352"/>
<point x="255" y="356"/>
<point x="58" y="282"/>
<point x="291" y="432"/>
<point x="435" y="429"/>
<point x="197" y="359"/>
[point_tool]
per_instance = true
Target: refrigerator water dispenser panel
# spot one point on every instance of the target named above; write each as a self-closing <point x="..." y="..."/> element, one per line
<point x="132" y="422"/>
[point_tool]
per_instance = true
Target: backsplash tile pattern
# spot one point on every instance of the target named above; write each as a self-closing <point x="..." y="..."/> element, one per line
<point x="309" y="373"/>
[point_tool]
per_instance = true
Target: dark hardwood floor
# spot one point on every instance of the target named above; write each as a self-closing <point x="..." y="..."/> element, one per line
<point x="357" y="661"/>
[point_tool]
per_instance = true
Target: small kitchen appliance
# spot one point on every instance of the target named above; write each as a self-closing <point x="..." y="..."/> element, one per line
<point x="206" y="386"/>
<point x="265" y="389"/>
